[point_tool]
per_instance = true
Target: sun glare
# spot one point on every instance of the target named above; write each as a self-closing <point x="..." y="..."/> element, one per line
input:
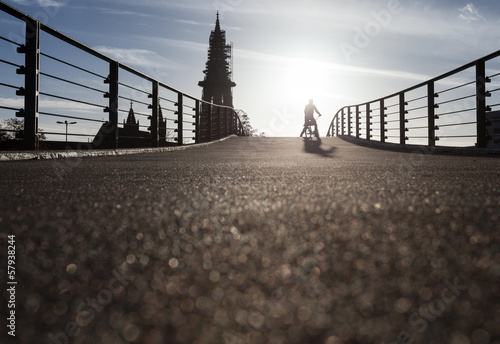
<point x="302" y="79"/>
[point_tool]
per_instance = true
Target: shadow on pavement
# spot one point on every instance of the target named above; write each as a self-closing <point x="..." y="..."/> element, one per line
<point x="313" y="146"/>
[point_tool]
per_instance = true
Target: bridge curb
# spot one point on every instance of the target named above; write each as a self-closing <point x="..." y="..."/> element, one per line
<point x="420" y="149"/>
<point x="44" y="155"/>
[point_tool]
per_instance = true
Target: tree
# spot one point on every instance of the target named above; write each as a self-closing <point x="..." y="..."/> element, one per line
<point x="13" y="125"/>
<point x="245" y="122"/>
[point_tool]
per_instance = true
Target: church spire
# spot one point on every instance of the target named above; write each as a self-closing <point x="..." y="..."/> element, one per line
<point x="217" y="23"/>
<point x="131" y="115"/>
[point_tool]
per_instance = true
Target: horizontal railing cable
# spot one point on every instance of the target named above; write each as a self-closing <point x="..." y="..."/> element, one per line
<point x="72" y="65"/>
<point x="69" y="134"/>
<point x="10" y="86"/>
<point x="72" y="117"/>
<point x="9" y="108"/>
<point x="392" y="113"/>
<point x="453" y="112"/>
<point x="454" y="136"/>
<point x="10" y="63"/>
<point x="135" y="112"/>
<point x="456" y="99"/>
<point x="415" y="99"/>
<point x="456" y="124"/>
<point x="71" y="99"/>
<point x="415" y="118"/>
<point x="456" y="87"/>
<point x="72" y="82"/>
<point x="133" y="88"/>
<point x="170" y="110"/>
<point x="417" y="108"/>
<point x="133" y="100"/>
<point x="10" y="41"/>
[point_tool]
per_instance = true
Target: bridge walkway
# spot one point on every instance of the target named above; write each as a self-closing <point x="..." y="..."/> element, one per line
<point x="261" y="240"/>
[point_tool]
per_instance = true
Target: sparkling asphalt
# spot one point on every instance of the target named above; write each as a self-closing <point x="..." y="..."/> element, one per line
<point x="255" y="240"/>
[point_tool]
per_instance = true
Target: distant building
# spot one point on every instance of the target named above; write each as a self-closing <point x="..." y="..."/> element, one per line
<point x="217" y="84"/>
<point x="131" y="126"/>
<point x="130" y="134"/>
<point x="493" y="128"/>
<point x="162" y="128"/>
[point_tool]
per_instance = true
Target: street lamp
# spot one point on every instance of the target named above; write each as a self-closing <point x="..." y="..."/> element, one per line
<point x="66" y="122"/>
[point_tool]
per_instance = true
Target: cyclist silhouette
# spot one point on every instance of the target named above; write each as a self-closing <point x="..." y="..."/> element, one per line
<point x="309" y="118"/>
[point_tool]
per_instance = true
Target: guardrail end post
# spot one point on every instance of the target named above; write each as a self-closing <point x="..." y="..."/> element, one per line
<point x="481" y="133"/>
<point x="32" y="84"/>
<point x="180" y="136"/>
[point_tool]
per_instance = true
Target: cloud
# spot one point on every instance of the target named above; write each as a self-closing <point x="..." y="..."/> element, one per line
<point x="41" y="3"/>
<point x="138" y="57"/>
<point x="176" y="43"/>
<point x="12" y="102"/>
<point x="470" y="13"/>
<point x="49" y="104"/>
<point x="192" y="22"/>
<point x="121" y="12"/>
<point x="336" y="68"/>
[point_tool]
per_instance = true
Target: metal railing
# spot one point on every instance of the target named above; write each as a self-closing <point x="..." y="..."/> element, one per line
<point x="93" y="85"/>
<point x="454" y="108"/>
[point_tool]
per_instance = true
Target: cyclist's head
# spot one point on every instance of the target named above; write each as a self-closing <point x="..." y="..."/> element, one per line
<point x="310" y="101"/>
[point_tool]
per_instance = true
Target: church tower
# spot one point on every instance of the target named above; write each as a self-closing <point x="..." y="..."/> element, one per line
<point x="217" y="84"/>
<point x="131" y="126"/>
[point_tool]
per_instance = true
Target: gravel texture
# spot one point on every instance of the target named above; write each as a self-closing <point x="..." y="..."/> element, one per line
<point x="255" y="240"/>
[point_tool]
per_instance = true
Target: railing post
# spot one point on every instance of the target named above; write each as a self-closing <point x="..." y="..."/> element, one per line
<point x="343" y="121"/>
<point x="358" y="129"/>
<point x="382" y="120"/>
<point x="223" y="122"/>
<point x="348" y="121"/>
<point x="431" y="130"/>
<point x="154" y="114"/>
<point x="218" y="121"/>
<point x="237" y="130"/>
<point x="368" y="117"/>
<point x="234" y="122"/>
<point x="402" y="125"/>
<point x="197" y="121"/>
<point x="112" y="135"/>
<point x="180" y="136"/>
<point x="210" y="110"/>
<point x="32" y="84"/>
<point x="481" y="133"/>
<point x="337" y="126"/>
<point x="231" y="121"/>
<point x="226" y="131"/>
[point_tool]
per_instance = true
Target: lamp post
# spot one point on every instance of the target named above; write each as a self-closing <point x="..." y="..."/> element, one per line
<point x="66" y="122"/>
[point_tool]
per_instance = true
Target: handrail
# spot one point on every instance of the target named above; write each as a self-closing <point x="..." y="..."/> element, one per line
<point x="459" y="104"/>
<point x="210" y="121"/>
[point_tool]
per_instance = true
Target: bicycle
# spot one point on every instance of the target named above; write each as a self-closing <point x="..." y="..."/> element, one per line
<point x="309" y="132"/>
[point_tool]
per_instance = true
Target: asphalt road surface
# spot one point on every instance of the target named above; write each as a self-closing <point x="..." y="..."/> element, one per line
<point x="253" y="240"/>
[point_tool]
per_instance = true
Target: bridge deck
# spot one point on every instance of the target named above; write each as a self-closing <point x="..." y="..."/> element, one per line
<point x="261" y="240"/>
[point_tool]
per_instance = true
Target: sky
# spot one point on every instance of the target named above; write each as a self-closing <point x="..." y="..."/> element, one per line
<point x="338" y="52"/>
